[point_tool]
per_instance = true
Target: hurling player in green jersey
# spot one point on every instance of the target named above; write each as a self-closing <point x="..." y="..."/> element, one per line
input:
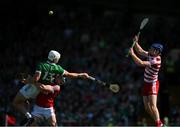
<point x="45" y="74"/>
<point x="46" y="71"/>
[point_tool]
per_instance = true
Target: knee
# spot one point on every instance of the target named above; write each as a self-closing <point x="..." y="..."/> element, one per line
<point x="153" y="107"/>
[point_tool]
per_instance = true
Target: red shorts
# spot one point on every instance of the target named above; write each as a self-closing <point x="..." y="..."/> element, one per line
<point x="150" y="88"/>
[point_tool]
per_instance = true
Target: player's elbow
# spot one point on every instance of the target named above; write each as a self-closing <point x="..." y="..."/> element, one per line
<point x="141" y="64"/>
<point x="144" y="64"/>
<point x="140" y="52"/>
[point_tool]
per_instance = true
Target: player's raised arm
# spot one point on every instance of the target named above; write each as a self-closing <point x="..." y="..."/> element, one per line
<point x="138" y="48"/>
<point x="137" y="60"/>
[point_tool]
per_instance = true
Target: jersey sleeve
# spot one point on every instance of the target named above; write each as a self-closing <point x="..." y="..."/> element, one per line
<point x="60" y="70"/>
<point x="38" y="68"/>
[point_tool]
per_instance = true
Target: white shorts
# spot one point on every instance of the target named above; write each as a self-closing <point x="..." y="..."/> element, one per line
<point x="42" y="112"/>
<point x="29" y="91"/>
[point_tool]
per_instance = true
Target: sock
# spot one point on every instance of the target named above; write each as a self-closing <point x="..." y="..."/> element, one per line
<point x="158" y="123"/>
<point x="28" y="115"/>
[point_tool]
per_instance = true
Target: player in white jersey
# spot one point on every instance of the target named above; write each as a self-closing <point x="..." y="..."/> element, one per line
<point x="151" y="83"/>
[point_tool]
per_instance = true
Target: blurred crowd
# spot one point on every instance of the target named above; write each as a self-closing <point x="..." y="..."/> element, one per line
<point x="96" y="42"/>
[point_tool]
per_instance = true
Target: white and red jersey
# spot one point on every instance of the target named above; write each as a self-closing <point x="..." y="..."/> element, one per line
<point x="46" y="100"/>
<point x="151" y="72"/>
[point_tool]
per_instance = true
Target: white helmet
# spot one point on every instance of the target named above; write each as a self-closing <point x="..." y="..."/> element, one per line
<point x="54" y="56"/>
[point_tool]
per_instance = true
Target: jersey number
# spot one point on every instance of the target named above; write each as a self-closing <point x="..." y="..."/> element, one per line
<point x="49" y="77"/>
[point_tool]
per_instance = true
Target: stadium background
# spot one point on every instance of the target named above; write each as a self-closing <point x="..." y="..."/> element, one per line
<point x="92" y="36"/>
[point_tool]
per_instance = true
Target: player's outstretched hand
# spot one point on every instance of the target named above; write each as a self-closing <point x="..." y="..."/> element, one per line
<point x="84" y="75"/>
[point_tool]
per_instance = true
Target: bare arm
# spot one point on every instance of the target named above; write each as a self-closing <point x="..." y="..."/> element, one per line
<point x="138" y="48"/>
<point x="75" y="75"/>
<point x="137" y="60"/>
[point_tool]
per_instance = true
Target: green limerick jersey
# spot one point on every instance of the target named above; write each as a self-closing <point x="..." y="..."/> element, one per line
<point x="48" y="72"/>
